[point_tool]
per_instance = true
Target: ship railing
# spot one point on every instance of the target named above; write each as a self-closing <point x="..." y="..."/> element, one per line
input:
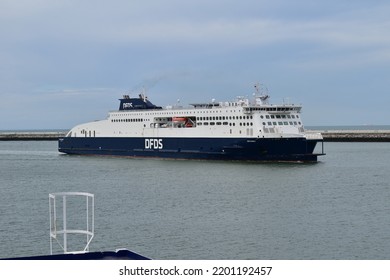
<point x="316" y="136"/>
<point x="313" y="136"/>
<point x="59" y="226"/>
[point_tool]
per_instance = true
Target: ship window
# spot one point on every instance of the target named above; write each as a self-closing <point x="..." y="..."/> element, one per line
<point x="199" y="123"/>
<point x="274" y="123"/>
<point x="267" y="117"/>
<point x="272" y="116"/>
<point x="263" y="123"/>
<point x="219" y="123"/>
<point x="280" y="123"/>
<point x="225" y="123"/>
<point x="288" y="116"/>
<point x="269" y="123"/>
<point x="293" y="116"/>
<point x="295" y="123"/>
<point x="206" y="123"/>
<point x="291" y="123"/>
<point x="299" y="122"/>
<point x="212" y="123"/>
<point x="285" y="123"/>
<point x="261" y="116"/>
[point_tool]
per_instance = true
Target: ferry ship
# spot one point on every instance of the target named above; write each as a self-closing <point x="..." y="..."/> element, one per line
<point x="244" y="129"/>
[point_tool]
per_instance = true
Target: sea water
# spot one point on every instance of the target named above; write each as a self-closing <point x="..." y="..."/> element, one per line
<point x="338" y="208"/>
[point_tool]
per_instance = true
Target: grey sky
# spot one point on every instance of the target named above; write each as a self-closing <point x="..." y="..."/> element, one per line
<point x="67" y="62"/>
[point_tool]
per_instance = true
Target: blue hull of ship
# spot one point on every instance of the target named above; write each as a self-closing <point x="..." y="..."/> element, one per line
<point x="251" y="149"/>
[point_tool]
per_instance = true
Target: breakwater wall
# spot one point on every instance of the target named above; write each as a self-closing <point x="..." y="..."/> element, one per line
<point x="328" y="135"/>
<point x="31" y="136"/>
<point x="355" y="135"/>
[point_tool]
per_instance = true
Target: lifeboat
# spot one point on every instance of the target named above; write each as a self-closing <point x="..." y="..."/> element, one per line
<point x="179" y="119"/>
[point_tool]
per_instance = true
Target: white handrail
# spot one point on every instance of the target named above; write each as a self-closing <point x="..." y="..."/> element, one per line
<point x="56" y="230"/>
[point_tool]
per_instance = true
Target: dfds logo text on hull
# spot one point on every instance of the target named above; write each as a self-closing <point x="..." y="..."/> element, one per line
<point x="153" y="143"/>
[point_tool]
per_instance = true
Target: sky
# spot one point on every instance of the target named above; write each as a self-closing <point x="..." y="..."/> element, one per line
<point x="65" y="62"/>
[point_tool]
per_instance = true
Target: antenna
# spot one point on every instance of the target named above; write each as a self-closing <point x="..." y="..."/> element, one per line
<point x="261" y="95"/>
<point x="257" y="88"/>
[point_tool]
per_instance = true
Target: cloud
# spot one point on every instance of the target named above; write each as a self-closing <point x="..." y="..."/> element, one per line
<point x="195" y="23"/>
<point x="25" y="9"/>
<point x="65" y="92"/>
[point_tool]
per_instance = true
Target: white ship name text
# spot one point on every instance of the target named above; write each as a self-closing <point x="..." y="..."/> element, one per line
<point x="153" y="143"/>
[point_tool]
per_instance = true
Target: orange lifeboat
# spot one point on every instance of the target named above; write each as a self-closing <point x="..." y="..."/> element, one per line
<point x="179" y="119"/>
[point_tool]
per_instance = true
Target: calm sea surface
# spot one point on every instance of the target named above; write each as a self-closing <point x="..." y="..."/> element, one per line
<point x="338" y="208"/>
